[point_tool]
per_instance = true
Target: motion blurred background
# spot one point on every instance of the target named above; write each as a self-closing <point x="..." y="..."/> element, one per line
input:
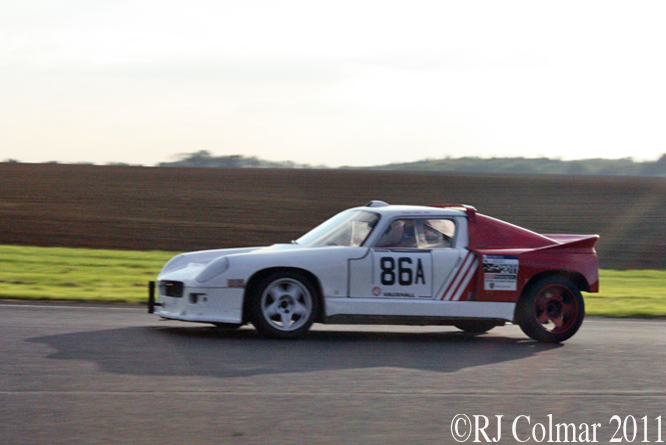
<point x="181" y="209"/>
<point x="433" y="85"/>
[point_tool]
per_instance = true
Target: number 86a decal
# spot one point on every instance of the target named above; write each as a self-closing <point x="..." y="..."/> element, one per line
<point x="399" y="274"/>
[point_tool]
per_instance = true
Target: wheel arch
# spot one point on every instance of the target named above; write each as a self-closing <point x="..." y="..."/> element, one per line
<point x="576" y="277"/>
<point x="306" y="274"/>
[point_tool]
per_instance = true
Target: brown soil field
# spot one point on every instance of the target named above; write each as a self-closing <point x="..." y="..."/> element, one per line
<point x="180" y="209"/>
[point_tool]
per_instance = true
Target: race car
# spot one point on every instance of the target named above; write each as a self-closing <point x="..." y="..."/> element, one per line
<point x="389" y="264"/>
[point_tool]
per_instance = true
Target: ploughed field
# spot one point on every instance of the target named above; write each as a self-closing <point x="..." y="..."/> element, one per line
<point x="181" y="209"/>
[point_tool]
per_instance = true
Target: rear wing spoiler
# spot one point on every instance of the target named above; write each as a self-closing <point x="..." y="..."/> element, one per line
<point x="572" y="241"/>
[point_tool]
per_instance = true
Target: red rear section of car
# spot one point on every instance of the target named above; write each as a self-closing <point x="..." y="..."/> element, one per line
<point x="572" y="256"/>
<point x="490" y="233"/>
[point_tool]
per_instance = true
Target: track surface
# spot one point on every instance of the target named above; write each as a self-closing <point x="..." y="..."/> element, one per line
<point x="71" y="374"/>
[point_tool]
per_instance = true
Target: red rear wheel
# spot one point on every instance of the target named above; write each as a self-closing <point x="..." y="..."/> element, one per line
<point x="551" y="310"/>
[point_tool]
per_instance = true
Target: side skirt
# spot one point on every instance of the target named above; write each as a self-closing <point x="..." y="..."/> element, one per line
<point x="415" y="312"/>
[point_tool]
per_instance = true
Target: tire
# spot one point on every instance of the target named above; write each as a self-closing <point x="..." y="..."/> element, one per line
<point x="551" y="310"/>
<point x="283" y="305"/>
<point x="475" y="327"/>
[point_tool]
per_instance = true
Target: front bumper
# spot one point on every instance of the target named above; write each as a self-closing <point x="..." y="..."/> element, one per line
<point x="196" y="304"/>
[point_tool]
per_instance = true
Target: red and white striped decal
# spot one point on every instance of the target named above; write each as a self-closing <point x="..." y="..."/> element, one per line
<point x="461" y="279"/>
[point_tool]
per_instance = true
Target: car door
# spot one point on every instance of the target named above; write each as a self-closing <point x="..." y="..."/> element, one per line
<point x="413" y="259"/>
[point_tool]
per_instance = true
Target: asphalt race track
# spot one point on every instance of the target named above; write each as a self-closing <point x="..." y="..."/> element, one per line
<point x="75" y="374"/>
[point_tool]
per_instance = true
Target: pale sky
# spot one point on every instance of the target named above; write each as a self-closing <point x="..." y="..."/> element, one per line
<point x="331" y="82"/>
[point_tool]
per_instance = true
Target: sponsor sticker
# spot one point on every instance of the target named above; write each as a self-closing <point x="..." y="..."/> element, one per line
<point x="500" y="272"/>
<point x="235" y="282"/>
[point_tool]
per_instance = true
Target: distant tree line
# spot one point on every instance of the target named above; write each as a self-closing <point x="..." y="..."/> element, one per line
<point x="548" y="166"/>
<point x="205" y="159"/>
<point x="537" y="166"/>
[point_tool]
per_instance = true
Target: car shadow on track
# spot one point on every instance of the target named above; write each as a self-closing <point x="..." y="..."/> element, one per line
<point x="207" y="351"/>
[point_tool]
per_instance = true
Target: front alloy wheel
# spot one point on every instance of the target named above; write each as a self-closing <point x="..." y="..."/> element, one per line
<point x="284" y="305"/>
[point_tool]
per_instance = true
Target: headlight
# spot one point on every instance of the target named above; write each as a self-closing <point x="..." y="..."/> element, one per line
<point x="213" y="269"/>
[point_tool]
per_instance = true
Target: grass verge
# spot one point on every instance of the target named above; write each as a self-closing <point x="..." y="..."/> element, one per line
<point x="54" y="273"/>
<point x="629" y="293"/>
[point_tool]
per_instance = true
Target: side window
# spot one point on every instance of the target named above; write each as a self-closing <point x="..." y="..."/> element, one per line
<point x="436" y="233"/>
<point x="400" y="233"/>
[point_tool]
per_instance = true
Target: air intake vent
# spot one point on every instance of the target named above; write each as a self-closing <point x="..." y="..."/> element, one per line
<point x="171" y="288"/>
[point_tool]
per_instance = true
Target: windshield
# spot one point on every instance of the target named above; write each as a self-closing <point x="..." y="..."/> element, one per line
<point x="349" y="228"/>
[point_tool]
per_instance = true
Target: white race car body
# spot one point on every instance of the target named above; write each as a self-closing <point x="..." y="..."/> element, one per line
<point x="356" y="274"/>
